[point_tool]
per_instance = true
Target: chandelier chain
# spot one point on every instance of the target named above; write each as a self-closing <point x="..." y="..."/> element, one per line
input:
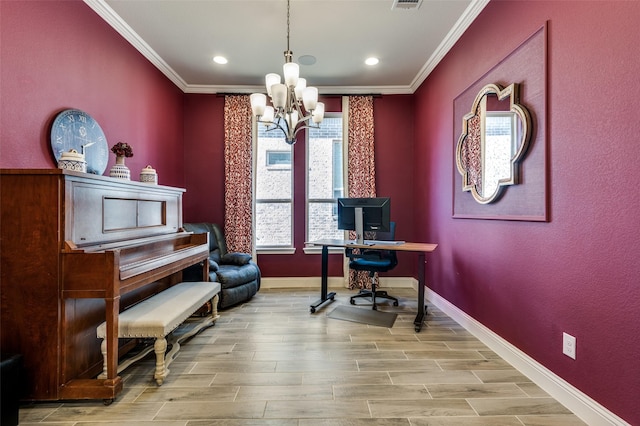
<point x="288" y="49"/>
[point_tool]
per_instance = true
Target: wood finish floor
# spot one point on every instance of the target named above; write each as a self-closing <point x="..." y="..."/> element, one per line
<point x="271" y="362"/>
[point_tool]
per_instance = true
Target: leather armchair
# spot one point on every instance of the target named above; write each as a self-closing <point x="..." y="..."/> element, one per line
<point x="237" y="273"/>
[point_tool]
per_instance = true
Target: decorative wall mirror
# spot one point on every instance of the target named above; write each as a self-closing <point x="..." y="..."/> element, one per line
<point x="495" y="136"/>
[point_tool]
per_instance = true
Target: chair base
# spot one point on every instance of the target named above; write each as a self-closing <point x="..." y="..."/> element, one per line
<point x="379" y="294"/>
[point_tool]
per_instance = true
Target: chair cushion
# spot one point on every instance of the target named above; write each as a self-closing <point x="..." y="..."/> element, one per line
<point x="232" y="275"/>
<point x="377" y="265"/>
<point x="238" y="259"/>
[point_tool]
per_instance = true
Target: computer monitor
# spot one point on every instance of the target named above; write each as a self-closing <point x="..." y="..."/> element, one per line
<point x="364" y="214"/>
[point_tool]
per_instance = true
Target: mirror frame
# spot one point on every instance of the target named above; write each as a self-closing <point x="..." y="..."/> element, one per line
<point x="510" y="92"/>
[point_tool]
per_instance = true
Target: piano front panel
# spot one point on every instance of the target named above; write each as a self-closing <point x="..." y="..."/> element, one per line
<point x="103" y="214"/>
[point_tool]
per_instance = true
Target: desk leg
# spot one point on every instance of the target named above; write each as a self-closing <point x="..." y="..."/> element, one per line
<point x="422" y="310"/>
<point x="324" y="296"/>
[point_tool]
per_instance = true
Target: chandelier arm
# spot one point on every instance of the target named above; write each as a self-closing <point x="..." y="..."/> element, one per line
<point x="309" y="126"/>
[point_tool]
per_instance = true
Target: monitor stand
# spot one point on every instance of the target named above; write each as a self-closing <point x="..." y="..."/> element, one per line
<point x="359" y="219"/>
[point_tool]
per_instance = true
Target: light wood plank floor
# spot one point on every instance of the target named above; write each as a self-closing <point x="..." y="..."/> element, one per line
<point x="271" y="362"/>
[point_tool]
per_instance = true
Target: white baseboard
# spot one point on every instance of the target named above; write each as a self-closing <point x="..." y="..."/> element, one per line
<point x="589" y="411"/>
<point x="332" y="282"/>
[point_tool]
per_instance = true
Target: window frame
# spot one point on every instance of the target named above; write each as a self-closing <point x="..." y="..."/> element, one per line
<point x="272" y="249"/>
<point x="308" y="200"/>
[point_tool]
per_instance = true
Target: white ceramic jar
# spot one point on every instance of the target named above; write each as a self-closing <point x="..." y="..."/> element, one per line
<point x="149" y="175"/>
<point x="72" y="160"/>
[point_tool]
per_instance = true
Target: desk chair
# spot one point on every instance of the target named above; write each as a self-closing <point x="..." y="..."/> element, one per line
<point x="374" y="261"/>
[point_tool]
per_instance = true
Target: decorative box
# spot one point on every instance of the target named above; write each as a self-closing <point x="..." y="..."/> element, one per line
<point x="72" y="160"/>
<point x="149" y="175"/>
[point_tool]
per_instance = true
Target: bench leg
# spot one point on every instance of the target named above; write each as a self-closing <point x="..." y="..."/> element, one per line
<point x="103" y="349"/>
<point x="214" y="307"/>
<point x="160" y="347"/>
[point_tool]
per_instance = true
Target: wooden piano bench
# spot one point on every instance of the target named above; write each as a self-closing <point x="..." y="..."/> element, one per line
<point x="157" y="317"/>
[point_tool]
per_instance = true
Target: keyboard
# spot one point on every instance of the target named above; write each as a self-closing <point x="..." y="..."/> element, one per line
<point x="382" y="242"/>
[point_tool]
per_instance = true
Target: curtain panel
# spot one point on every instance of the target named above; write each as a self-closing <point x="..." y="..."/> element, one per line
<point x="238" y="173"/>
<point x="361" y="170"/>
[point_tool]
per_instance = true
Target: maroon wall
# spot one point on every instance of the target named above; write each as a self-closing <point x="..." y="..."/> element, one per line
<point x="204" y="171"/>
<point x="59" y="55"/>
<point x="204" y="158"/>
<point x="578" y="273"/>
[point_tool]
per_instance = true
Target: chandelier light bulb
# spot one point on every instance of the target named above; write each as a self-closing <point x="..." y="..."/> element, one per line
<point x="302" y="84"/>
<point x="292" y="119"/>
<point x="268" y="115"/>
<point x="258" y="103"/>
<point x="318" y="113"/>
<point x="270" y="80"/>
<point x="279" y="98"/>
<point x="291" y="73"/>
<point x="310" y="98"/>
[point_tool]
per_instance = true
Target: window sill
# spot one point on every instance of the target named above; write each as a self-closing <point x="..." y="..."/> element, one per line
<point x="276" y="250"/>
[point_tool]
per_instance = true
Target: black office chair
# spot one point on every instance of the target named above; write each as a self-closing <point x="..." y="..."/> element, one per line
<point x="374" y="261"/>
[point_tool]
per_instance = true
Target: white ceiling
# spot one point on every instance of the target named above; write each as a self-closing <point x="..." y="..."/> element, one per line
<point x="180" y="37"/>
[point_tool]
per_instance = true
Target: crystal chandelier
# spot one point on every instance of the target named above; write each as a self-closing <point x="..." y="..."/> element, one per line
<point x="288" y="99"/>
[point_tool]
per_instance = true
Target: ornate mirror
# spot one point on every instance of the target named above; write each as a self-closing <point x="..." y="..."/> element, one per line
<point x="495" y="136"/>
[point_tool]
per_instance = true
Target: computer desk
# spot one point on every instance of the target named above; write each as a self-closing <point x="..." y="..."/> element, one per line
<point x="421" y="248"/>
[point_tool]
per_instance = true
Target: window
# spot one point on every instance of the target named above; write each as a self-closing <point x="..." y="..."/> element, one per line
<point x="274" y="185"/>
<point x="274" y="195"/>
<point x="280" y="159"/>
<point x="325" y="178"/>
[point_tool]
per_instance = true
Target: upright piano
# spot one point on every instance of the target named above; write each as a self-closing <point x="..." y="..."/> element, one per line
<point x="75" y="250"/>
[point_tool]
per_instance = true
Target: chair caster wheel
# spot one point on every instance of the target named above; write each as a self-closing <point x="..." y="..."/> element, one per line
<point x="395" y="303"/>
<point x="353" y="302"/>
<point x="313" y="310"/>
<point x="375" y="308"/>
<point x="107" y="402"/>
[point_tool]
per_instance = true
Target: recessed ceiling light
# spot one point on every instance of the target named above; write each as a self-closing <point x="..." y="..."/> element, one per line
<point x="371" y="61"/>
<point x="220" y="60"/>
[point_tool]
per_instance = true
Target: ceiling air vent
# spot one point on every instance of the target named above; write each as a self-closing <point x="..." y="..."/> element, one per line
<point x="406" y="4"/>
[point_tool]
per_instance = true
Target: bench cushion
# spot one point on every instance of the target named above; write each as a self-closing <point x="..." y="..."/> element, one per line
<point x="163" y="312"/>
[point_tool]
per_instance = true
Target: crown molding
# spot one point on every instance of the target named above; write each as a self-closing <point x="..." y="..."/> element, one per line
<point x="118" y="24"/>
<point x="469" y="15"/>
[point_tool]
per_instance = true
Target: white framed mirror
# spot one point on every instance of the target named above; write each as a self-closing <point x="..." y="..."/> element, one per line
<point x="494" y="138"/>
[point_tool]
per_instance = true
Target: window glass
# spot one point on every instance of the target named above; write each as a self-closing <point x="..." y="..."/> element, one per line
<point x="325" y="183"/>
<point x="274" y="199"/>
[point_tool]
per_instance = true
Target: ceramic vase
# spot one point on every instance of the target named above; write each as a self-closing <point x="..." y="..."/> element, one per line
<point x="120" y="170"/>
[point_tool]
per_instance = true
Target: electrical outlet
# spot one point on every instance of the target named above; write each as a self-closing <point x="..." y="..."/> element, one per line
<point x="569" y="345"/>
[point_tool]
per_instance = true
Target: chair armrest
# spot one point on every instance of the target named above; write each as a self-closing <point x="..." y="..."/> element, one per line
<point x="213" y="265"/>
<point x="238" y="259"/>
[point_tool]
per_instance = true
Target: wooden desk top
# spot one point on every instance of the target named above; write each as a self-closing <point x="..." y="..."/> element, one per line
<point x="405" y="246"/>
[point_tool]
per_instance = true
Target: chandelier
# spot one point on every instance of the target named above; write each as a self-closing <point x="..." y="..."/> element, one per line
<point x="286" y="112"/>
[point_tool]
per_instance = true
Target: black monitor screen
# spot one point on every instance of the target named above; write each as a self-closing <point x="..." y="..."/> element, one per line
<point x="376" y="213"/>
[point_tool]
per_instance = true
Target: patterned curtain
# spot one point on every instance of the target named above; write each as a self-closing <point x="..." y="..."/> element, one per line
<point x="238" y="174"/>
<point x="361" y="170"/>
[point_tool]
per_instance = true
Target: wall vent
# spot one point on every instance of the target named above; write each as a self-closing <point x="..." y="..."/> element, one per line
<point x="406" y="4"/>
